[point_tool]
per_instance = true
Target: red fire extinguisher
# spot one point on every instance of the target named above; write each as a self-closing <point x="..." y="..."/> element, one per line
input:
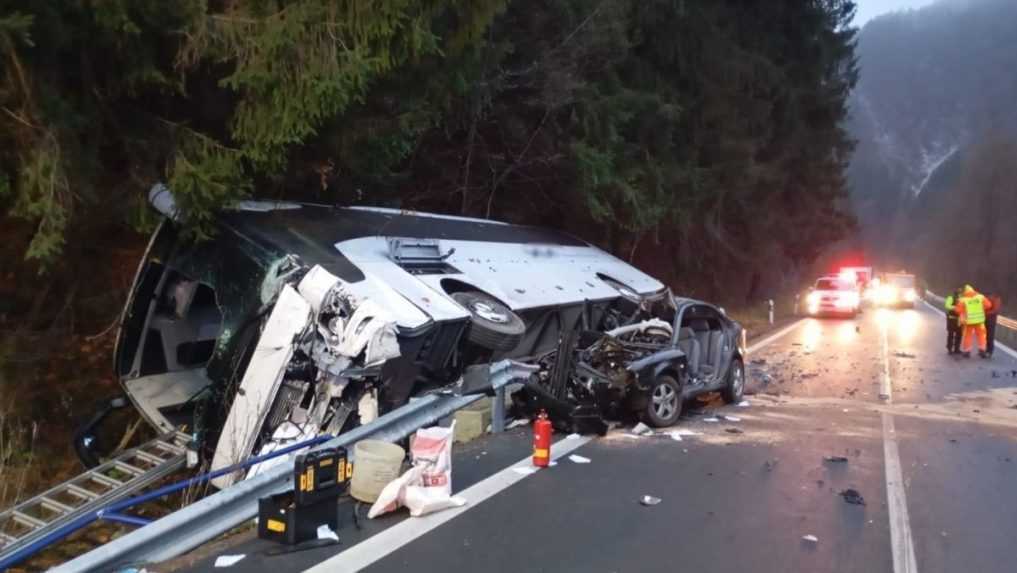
<point x="542" y="441"/>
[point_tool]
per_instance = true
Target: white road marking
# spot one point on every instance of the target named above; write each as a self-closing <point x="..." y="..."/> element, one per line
<point x="775" y="336"/>
<point x="886" y="386"/>
<point x="1003" y="347"/>
<point x="385" y="543"/>
<point x="374" y="548"/>
<point x="901" y="542"/>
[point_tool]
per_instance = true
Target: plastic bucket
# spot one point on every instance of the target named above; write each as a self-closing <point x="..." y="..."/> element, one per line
<point x="375" y="463"/>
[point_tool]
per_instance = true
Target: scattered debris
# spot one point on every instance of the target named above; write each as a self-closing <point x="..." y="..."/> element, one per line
<point x="744" y="404"/>
<point x="771" y="464"/>
<point x="525" y="470"/>
<point x="641" y="429"/>
<point x="730" y="418"/>
<point x="852" y="496"/>
<point x="734" y="430"/>
<point x="953" y="441"/>
<point x="820" y="483"/>
<point x="579" y="459"/>
<point x="684" y="432"/>
<point x="835" y="459"/>
<point x="995" y="374"/>
<point x="900" y="354"/>
<point x="228" y="560"/>
<point x="810" y="538"/>
<point x="325" y="532"/>
<point x="517" y="422"/>
<point x="711" y="420"/>
<point x="758" y="361"/>
<point x="572" y="437"/>
<point x="649" y="500"/>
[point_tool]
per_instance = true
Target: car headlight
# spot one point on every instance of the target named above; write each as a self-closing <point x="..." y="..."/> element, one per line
<point x="813" y="298"/>
<point x="910" y="295"/>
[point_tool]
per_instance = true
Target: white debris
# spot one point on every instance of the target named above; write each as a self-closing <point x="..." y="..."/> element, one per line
<point x="732" y="418"/>
<point x="649" y="500"/>
<point x="631" y="436"/>
<point x="684" y="432"/>
<point x="525" y="470"/>
<point x="810" y="538"/>
<point x="325" y="532"/>
<point x="228" y="560"/>
<point x="675" y="436"/>
<point x="552" y="464"/>
<point x="744" y="404"/>
<point x="572" y="437"/>
<point x="653" y="323"/>
<point x="711" y="420"/>
<point x="521" y="422"/>
<point x="579" y="459"/>
<point x="641" y="429"/>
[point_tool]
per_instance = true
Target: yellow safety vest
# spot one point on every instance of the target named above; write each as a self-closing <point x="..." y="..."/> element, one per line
<point x="950" y="303"/>
<point x="974" y="308"/>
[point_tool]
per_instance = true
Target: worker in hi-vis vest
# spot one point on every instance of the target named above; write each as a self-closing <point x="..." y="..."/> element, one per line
<point x="953" y="327"/>
<point x="972" y="307"/>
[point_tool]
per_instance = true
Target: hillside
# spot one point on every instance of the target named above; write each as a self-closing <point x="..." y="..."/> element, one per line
<point x="934" y="99"/>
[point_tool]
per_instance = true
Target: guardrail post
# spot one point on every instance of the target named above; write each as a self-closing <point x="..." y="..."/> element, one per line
<point x="797" y="300"/>
<point x="770" y="303"/>
<point x="498" y="411"/>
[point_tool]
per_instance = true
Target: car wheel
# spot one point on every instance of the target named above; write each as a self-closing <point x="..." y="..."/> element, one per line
<point x="665" y="404"/>
<point x="492" y="324"/>
<point x="735" y="387"/>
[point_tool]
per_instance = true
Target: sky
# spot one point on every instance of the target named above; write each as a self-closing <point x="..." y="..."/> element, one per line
<point x="869" y="9"/>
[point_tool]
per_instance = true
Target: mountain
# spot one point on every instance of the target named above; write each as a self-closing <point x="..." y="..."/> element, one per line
<point x="934" y="107"/>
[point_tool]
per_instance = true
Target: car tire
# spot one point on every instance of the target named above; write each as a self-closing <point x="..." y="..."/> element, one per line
<point x="492" y="324"/>
<point x="664" y="406"/>
<point x="734" y="389"/>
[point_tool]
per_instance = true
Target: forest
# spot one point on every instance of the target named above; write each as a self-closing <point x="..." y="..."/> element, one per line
<point x="702" y="140"/>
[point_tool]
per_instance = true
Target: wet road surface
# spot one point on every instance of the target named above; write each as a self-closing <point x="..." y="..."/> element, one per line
<point x="930" y="443"/>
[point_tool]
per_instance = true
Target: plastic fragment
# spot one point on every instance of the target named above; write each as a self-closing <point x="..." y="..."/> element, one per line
<point x="744" y="404"/>
<point x="228" y="560"/>
<point x="325" y="532"/>
<point x="525" y="470"/>
<point x="579" y="459"/>
<point x="810" y="538"/>
<point x="649" y="500"/>
<point x="641" y="429"/>
<point x="711" y="420"/>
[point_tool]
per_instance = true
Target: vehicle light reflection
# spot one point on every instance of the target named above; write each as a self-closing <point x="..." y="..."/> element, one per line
<point x="907" y="325"/>
<point x="811" y="335"/>
<point x="846" y="333"/>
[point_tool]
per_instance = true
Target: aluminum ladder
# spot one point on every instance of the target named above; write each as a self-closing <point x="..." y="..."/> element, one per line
<point x="92" y="490"/>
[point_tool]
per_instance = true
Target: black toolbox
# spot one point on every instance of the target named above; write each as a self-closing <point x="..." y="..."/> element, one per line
<point x="292" y="517"/>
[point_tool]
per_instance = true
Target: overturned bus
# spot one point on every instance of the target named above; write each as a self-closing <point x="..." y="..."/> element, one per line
<point x="297" y="319"/>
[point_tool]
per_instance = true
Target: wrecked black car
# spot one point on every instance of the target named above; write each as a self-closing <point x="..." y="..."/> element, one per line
<point x="668" y="350"/>
<point x="298" y="319"/>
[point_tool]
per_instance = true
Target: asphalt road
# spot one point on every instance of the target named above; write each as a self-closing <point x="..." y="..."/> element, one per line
<point x="930" y="443"/>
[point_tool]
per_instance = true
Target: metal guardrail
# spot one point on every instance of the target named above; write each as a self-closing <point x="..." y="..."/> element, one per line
<point x="216" y="514"/>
